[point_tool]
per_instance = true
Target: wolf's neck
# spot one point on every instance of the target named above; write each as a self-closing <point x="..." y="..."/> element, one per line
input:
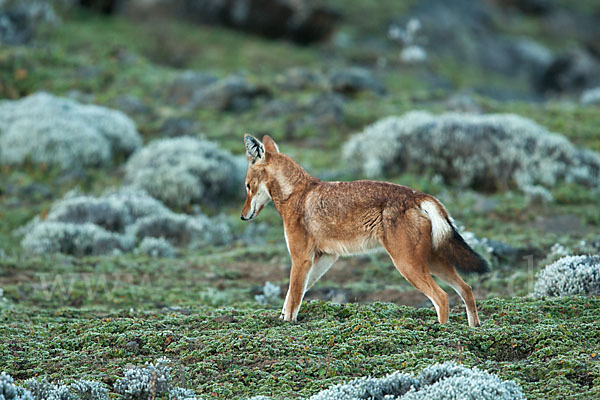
<point x="288" y="178"/>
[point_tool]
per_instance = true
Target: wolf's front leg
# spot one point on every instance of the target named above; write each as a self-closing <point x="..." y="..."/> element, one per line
<point x="295" y="294"/>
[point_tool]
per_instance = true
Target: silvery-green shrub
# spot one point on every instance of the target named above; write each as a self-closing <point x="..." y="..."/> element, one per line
<point x="45" y="129"/>
<point x="77" y="239"/>
<point x="3" y="301"/>
<point x="156" y="247"/>
<point x="10" y="391"/>
<point x="447" y="381"/>
<point x="450" y="381"/>
<point x="270" y="294"/>
<point x="89" y="390"/>
<point x="489" y="152"/>
<point x="115" y="222"/>
<point x="150" y="381"/>
<point x="185" y="170"/>
<point x="44" y="390"/>
<point x="182" y="394"/>
<point x="569" y="276"/>
<point x="390" y="387"/>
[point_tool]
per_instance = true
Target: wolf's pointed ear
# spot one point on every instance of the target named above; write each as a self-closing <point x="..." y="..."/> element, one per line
<point x="255" y="150"/>
<point x="270" y="144"/>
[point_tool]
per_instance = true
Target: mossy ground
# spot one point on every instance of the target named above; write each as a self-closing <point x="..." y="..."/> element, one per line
<point x="199" y="308"/>
<point x="548" y="347"/>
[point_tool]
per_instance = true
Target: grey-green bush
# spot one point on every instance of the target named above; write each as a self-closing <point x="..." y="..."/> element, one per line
<point x="182" y="394"/>
<point x="450" y="381"/>
<point x="76" y="239"/>
<point x="490" y="152"/>
<point x="447" y="381"/>
<point x="391" y="386"/>
<point x="44" y="390"/>
<point x="569" y="276"/>
<point x="9" y="391"/>
<point x="185" y="170"/>
<point x="85" y="225"/>
<point x="156" y="248"/>
<point x="151" y="381"/>
<point x="89" y="390"/>
<point x="270" y="294"/>
<point x="45" y="129"/>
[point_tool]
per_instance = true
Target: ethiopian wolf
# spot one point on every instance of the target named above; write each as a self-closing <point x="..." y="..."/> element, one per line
<point x="325" y="220"/>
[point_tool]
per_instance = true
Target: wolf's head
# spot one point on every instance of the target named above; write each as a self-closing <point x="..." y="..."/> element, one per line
<point x="257" y="177"/>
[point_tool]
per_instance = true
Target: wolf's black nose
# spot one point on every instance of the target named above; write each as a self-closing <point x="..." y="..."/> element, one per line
<point x="242" y="218"/>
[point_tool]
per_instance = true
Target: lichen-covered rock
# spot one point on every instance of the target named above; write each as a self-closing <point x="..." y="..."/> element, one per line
<point x="573" y="71"/>
<point x="355" y="79"/>
<point x="302" y="21"/>
<point x="187" y="84"/>
<point x="569" y="276"/>
<point x="10" y="391"/>
<point x="185" y="170"/>
<point x="45" y="129"/>
<point x="300" y="78"/>
<point x="19" y="19"/>
<point x="489" y="152"/>
<point x="85" y="225"/>
<point x="233" y="93"/>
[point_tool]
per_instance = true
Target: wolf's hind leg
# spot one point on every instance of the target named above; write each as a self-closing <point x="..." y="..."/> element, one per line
<point x="448" y="274"/>
<point x="410" y="254"/>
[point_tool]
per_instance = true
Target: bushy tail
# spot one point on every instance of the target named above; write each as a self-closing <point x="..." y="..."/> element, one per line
<point x="458" y="253"/>
<point x="447" y="243"/>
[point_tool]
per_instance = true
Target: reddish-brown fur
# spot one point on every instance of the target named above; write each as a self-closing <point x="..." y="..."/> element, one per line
<point x="323" y="220"/>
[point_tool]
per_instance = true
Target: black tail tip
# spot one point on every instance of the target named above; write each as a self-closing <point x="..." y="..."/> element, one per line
<point x="465" y="258"/>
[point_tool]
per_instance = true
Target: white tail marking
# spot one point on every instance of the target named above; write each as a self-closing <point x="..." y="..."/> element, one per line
<point x="440" y="228"/>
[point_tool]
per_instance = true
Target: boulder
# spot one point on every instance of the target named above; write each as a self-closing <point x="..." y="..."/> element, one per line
<point x="302" y="21"/>
<point x="353" y="80"/>
<point x="571" y="72"/>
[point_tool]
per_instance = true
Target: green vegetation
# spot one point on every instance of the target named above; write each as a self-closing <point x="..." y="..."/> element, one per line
<point x="91" y="317"/>
<point x="548" y="347"/>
